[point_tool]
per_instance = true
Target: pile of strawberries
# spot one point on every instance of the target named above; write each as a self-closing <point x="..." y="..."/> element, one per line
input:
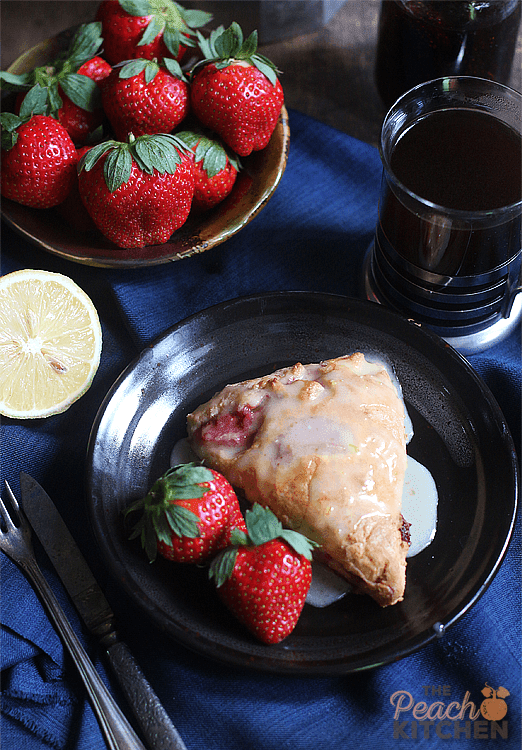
<point x="262" y="571"/>
<point x="118" y="119"/>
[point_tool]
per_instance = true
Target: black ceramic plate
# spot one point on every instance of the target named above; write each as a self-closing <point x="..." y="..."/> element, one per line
<point x="460" y="435"/>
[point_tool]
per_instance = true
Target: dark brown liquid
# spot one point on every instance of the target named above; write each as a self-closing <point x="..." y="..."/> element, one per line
<point x="419" y="41"/>
<point x="463" y="160"/>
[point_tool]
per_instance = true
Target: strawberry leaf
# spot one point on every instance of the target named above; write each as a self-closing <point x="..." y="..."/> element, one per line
<point x="229" y="42"/>
<point x="154" y="27"/>
<point x="238" y="538"/>
<point x="90" y="158"/>
<point x="54" y="98"/>
<point x="149" y="541"/>
<point x="262" y="525"/>
<point x="9" y="123"/>
<point x="172" y="39"/>
<point x="12" y="82"/>
<point x="35" y="102"/>
<point x="117" y="168"/>
<point x="156" y="152"/>
<point x="151" y="70"/>
<point x="266" y="67"/>
<point x="150" y="152"/>
<point x="195" y="19"/>
<point x="222" y="566"/>
<point x="206" y="45"/>
<point x="85" y="44"/>
<point x="214" y="160"/>
<point x="137" y="7"/>
<point x="190" y="473"/>
<point x="185" y="493"/>
<point x="210" y="151"/>
<point x="162" y="528"/>
<point x="300" y="543"/>
<point x="225" y="45"/>
<point x="82" y="91"/>
<point x="174" y="68"/>
<point x="133" y="68"/>
<point x="182" y="521"/>
<point x="248" y="47"/>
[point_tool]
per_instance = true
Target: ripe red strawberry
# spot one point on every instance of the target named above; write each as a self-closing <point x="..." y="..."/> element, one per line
<point x="137" y="193"/>
<point x="187" y="515"/>
<point x="235" y="91"/>
<point x="215" y="169"/>
<point x="68" y="85"/>
<point x="264" y="578"/>
<point x="141" y="97"/>
<point x="147" y="28"/>
<point x="38" y="159"/>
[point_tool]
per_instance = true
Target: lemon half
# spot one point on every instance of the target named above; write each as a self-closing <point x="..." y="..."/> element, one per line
<point x="50" y="343"/>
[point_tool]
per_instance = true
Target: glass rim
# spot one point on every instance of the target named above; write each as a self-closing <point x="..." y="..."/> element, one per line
<point x="462" y="214"/>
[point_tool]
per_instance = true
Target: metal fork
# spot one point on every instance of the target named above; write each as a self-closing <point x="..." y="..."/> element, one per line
<point x="15" y="542"/>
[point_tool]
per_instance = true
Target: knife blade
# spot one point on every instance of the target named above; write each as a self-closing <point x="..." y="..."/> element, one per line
<point x="96" y="612"/>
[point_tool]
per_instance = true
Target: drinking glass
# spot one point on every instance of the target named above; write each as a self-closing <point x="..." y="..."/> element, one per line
<point x="447" y="247"/>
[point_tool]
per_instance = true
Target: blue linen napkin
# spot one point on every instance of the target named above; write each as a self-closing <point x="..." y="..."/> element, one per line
<point x="311" y="236"/>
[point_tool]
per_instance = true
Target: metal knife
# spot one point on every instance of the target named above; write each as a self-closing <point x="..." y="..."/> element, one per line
<point x="95" y="611"/>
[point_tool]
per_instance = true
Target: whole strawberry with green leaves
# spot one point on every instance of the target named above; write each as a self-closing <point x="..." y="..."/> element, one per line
<point x="235" y="90"/>
<point x="188" y="515"/>
<point x="265" y="576"/>
<point x="215" y="168"/>
<point x="142" y="97"/>
<point x="38" y="156"/>
<point x="148" y="29"/>
<point x="138" y="192"/>
<point x="70" y="83"/>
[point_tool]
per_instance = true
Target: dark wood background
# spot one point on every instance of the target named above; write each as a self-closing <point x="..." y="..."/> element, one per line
<point x="325" y="49"/>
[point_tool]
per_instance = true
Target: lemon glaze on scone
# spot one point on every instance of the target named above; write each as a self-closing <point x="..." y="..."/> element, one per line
<point x="324" y="446"/>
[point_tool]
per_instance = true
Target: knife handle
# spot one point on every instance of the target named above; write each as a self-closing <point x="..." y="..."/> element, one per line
<point x="117" y="731"/>
<point x="155" y="724"/>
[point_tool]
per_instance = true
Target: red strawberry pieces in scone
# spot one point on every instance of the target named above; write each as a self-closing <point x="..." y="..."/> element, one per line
<point x="215" y="168"/>
<point x="235" y="91"/>
<point x="142" y="97"/>
<point x="148" y="28"/>
<point x="188" y="515"/>
<point x="265" y="576"/>
<point x="137" y="193"/>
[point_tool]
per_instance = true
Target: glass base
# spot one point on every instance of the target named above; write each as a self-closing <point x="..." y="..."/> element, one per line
<point x="466" y="339"/>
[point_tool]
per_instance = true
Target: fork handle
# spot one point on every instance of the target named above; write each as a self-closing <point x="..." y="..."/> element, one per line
<point x="117" y="731"/>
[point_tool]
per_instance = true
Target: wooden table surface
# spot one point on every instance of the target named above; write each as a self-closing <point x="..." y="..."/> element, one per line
<point x="327" y="72"/>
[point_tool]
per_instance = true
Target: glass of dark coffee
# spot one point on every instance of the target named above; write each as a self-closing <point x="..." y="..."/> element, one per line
<point x="447" y="249"/>
<point x="420" y="40"/>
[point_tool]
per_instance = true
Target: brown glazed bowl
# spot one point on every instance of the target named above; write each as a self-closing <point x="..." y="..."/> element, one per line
<point x="68" y="231"/>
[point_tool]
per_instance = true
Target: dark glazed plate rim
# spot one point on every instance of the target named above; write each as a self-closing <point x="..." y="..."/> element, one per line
<point x="460" y="434"/>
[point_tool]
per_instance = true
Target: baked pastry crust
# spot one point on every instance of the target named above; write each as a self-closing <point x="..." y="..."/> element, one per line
<point x="324" y="446"/>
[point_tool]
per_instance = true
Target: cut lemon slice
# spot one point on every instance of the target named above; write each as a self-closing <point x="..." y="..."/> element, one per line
<point x="50" y="343"/>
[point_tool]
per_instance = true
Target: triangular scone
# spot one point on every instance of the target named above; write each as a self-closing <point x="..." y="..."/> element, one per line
<point x="324" y="446"/>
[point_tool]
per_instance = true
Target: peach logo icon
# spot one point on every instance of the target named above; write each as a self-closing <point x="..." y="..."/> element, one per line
<point x="494" y="707"/>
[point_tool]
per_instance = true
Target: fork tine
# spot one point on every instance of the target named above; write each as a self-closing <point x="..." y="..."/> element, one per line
<point x="12" y="497"/>
<point x="3" y="510"/>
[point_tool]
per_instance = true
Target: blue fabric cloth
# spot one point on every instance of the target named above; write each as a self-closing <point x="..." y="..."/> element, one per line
<point x="310" y="236"/>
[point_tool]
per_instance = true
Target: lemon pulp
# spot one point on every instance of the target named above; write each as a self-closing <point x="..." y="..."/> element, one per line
<point x="50" y="343"/>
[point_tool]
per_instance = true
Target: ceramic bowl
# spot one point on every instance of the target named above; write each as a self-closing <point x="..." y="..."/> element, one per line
<point x="69" y="232"/>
